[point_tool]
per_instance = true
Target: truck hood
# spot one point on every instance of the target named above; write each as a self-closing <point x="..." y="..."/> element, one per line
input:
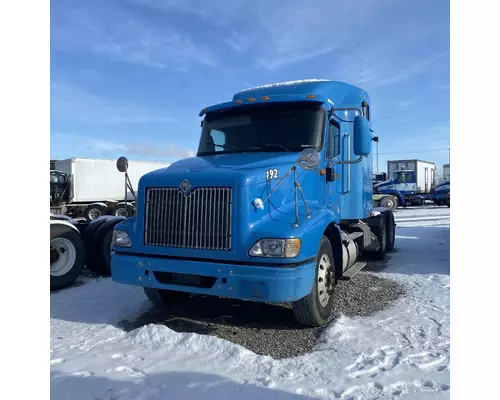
<point x="243" y="169"/>
<point x="382" y="184"/>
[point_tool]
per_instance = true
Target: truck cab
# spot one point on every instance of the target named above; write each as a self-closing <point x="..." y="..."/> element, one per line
<point x="276" y="206"/>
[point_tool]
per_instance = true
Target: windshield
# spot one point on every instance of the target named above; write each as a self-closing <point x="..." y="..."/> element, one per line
<point x="404" y="176"/>
<point x="263" y="128"/>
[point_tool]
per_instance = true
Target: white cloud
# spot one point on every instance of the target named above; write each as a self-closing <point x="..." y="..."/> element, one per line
<point x="103" y="147"/>
<point x="77" y="104"/>
<point x="279" y="33"/>
<point x="416" y="69"/>
<point x="114" y="32"/>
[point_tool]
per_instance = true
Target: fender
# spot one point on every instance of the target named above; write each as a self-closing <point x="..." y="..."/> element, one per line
<point x="61" y="222"/>
<point x="324" y="223"/>
<point x="99" y="203"/>
<point x="122" y="202"/>
<point x="312" y="232"/>
<point x="395" y="193"/>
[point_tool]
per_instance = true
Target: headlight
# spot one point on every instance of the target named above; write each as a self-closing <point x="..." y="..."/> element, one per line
<point x="279" y="248"/>
<point x="121" y="239"/>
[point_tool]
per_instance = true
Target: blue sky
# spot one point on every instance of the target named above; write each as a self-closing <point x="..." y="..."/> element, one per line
<point x="128" y="77"/>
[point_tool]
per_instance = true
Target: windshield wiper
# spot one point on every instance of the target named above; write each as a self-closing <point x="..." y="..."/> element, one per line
<point x="224" y="146"/>
<point x="268" y="146"/>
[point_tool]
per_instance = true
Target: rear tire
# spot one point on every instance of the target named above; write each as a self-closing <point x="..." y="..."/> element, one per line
<point x="389" y="202"/>
<point x="121" y="209"/>
<point x="67" y="256"/>
<point x="94" y="211"/>
<point x="98" y="248"/>
<point x="163" y="299"/>
<point x="315" y="308"/>
<point x="381" y="233"/>
<point x="391" y="231"/>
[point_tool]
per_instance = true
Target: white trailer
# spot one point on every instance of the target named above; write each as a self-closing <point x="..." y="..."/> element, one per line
<point x="94" y="187"/>
<point x="425" y="172"/>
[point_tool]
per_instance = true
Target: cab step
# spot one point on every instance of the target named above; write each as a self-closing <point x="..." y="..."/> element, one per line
<point x="349" y="274"/>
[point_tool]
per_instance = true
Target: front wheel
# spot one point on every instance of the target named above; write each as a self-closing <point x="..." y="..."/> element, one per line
<point x="315" y="309"/>
<point x="389" y="202"/>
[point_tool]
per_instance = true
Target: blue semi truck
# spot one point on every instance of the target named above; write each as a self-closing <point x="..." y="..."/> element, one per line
<point x="275" y="207"/>
<point x="403" y="190"/>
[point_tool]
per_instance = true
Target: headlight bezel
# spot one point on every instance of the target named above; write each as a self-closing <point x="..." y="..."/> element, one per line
<point x="124" y="236"/>
<point x="290" y="248"/>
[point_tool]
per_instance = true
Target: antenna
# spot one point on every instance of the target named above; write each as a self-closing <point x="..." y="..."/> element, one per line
<point x="360" y="52"/>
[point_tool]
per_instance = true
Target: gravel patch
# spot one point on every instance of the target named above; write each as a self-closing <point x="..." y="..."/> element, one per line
<point x="270" y="329"/>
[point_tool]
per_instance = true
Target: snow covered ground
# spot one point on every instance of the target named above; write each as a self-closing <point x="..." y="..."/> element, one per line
<point x="401" y="352"/>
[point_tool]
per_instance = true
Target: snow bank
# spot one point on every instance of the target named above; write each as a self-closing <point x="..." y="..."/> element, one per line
<point x="400" y="351"/>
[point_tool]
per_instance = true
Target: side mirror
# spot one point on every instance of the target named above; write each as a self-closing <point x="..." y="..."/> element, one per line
<point x="122" y="164"/>
<point x="362" y="136"/>
<point x="308" y="159"/>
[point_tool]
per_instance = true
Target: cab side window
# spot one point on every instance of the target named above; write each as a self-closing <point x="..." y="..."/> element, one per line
<point x="366" y="110"/>
<point x="333" y="141"/>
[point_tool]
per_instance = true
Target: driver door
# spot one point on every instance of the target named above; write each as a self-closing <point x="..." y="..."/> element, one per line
<point x="333" y="189"/>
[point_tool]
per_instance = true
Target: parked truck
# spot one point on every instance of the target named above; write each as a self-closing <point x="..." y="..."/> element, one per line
<point x="379" y="177"/>
<point x="75" y="244"/>
<point x="275" y="207"/>
<point x="411" y="182"/>
<point x="93" y="187"/>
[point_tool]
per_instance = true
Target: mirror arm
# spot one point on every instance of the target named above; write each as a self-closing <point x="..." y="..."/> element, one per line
<point x="129" y="186"/>
<point x="333" y="110"/>
<point x="347" y="161"/>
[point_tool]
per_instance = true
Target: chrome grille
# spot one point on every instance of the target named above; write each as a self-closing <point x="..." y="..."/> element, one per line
<point x="199" y="220"/>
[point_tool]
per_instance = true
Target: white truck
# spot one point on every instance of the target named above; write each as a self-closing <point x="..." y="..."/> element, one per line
<point x="92" y="187"/>
<point x="410" y="182"/>
<point x="85" y="183"/>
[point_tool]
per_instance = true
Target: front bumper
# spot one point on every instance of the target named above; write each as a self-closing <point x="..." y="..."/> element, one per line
<point x="256" y="283"/>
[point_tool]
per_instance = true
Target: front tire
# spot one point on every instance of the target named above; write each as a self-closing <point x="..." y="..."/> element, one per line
<point x="389" y="202"/>
<point x="67" y="256"/>
<point x="315" y="308"/>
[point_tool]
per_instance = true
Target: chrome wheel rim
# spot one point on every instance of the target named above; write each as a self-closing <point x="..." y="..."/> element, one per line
<point x="65" y="256"/>
<point x="94" y="214"/>
<point x="324" y="279"/>
<point x="121" y="212"/>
